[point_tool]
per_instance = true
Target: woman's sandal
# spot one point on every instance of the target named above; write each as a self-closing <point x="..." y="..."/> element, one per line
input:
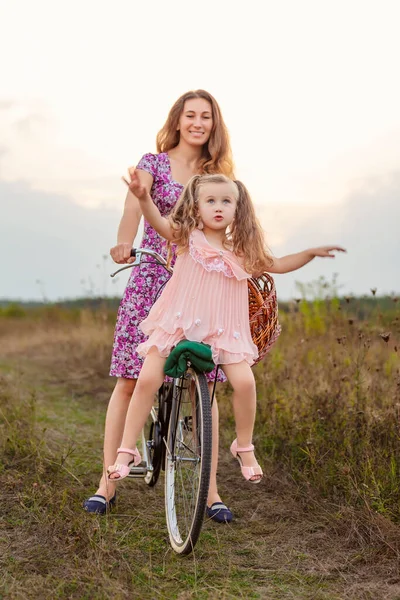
<point x="124" y="470"/>
<point x="247" y="472"/>
<point x="99" y="505"/>
<point x="219" y="512"/>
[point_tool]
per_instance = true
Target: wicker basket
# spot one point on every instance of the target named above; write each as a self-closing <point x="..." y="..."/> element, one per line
<point x="263" y="312"/>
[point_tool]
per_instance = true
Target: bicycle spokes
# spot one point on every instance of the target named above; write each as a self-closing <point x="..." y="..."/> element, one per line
<point x="188" y="462"/>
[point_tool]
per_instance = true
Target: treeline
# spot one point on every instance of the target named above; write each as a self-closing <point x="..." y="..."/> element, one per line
<point x="361" y="307"/>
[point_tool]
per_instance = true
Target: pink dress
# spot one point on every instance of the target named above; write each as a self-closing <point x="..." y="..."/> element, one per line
<point x="206" y="300"/>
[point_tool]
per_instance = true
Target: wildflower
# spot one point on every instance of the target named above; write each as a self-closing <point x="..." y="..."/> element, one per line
<point x="385" y="336"/>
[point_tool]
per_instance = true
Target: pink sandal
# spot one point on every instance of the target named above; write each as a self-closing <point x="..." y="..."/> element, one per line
<point x="124" y="470"/>
<point x="247" y="472"/>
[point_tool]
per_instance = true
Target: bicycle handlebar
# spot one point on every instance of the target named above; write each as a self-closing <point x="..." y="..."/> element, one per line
<point x="138" y="253"/>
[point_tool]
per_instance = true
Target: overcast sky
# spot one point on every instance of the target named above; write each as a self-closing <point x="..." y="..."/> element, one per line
<point x="309" y="91"/>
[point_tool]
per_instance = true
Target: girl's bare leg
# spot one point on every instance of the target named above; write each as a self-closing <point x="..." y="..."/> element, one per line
<point x="150" y="379"/>
<point x="114" y="428"/>
<point x="241" y="378"/>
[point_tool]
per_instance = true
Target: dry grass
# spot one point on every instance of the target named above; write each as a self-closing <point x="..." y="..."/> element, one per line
<point x="322" y="525"/>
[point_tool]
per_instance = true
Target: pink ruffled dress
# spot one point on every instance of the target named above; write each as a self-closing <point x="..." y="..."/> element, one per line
<point x="206" y="300"/>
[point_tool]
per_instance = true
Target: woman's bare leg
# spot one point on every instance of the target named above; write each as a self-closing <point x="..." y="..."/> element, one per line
<point x="213" y="495"/>
<point x="114" y="428"/>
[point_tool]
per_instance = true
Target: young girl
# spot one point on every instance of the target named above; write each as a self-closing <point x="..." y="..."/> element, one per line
<point x="220" y="244"/>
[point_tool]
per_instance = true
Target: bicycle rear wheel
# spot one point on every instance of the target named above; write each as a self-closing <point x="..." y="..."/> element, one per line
<point x="188" y="461"/>
<point x="155" y="432"/>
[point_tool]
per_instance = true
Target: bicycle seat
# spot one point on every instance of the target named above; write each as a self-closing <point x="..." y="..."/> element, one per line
<point x="197" y="354"/>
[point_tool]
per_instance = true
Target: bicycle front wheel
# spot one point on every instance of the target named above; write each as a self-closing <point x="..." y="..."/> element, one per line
<point x="188" y="461"/>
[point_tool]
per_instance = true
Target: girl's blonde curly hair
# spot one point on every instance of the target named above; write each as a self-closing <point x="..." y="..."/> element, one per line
<point x="245" y="237"/>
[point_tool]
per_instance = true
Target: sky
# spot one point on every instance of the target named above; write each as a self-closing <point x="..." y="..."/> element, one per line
<point x="309" y="91"/>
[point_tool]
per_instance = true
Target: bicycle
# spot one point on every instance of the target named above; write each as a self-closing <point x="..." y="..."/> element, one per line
<point x="178" y="440"/>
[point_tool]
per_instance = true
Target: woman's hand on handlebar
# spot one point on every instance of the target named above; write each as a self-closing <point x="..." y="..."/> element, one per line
<point x="121" y="253"/>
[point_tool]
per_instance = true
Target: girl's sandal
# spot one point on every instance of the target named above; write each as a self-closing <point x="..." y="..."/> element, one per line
<point x="123" y="470"/>
<point x="249" y="473"/>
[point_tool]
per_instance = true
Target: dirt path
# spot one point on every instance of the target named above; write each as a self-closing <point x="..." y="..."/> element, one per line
<point x="281" y="544"/>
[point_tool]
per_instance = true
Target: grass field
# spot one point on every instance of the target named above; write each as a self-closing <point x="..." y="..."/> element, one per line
<point x="323" y="524"/>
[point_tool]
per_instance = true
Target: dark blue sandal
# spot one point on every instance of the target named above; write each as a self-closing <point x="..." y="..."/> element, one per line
<point x="98" y="505"/>
<point x="219" y="512"/>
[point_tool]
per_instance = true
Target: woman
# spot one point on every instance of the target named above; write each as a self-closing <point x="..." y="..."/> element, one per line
<point x="194" y="140"/>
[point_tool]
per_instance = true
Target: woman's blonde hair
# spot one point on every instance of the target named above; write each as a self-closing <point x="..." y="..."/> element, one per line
<point x="217" y="154"/>
<point x="245" y="237"/>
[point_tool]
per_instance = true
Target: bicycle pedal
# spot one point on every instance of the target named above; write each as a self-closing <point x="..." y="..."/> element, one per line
<point x="139" y="471"/>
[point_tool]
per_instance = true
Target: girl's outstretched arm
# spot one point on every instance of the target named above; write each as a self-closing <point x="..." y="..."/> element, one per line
<point x="292" y="262"/>
<point x="149" y="209"/>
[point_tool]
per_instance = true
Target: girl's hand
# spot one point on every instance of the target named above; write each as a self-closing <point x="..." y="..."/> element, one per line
<point x="135" y="185"/>
<point x="147" y="206"/>
<point x="121" y="253"/>
<point x="325" y="251"/>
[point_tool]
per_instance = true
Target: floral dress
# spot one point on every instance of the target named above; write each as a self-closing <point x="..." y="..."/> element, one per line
<point x="146" y="280"/>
